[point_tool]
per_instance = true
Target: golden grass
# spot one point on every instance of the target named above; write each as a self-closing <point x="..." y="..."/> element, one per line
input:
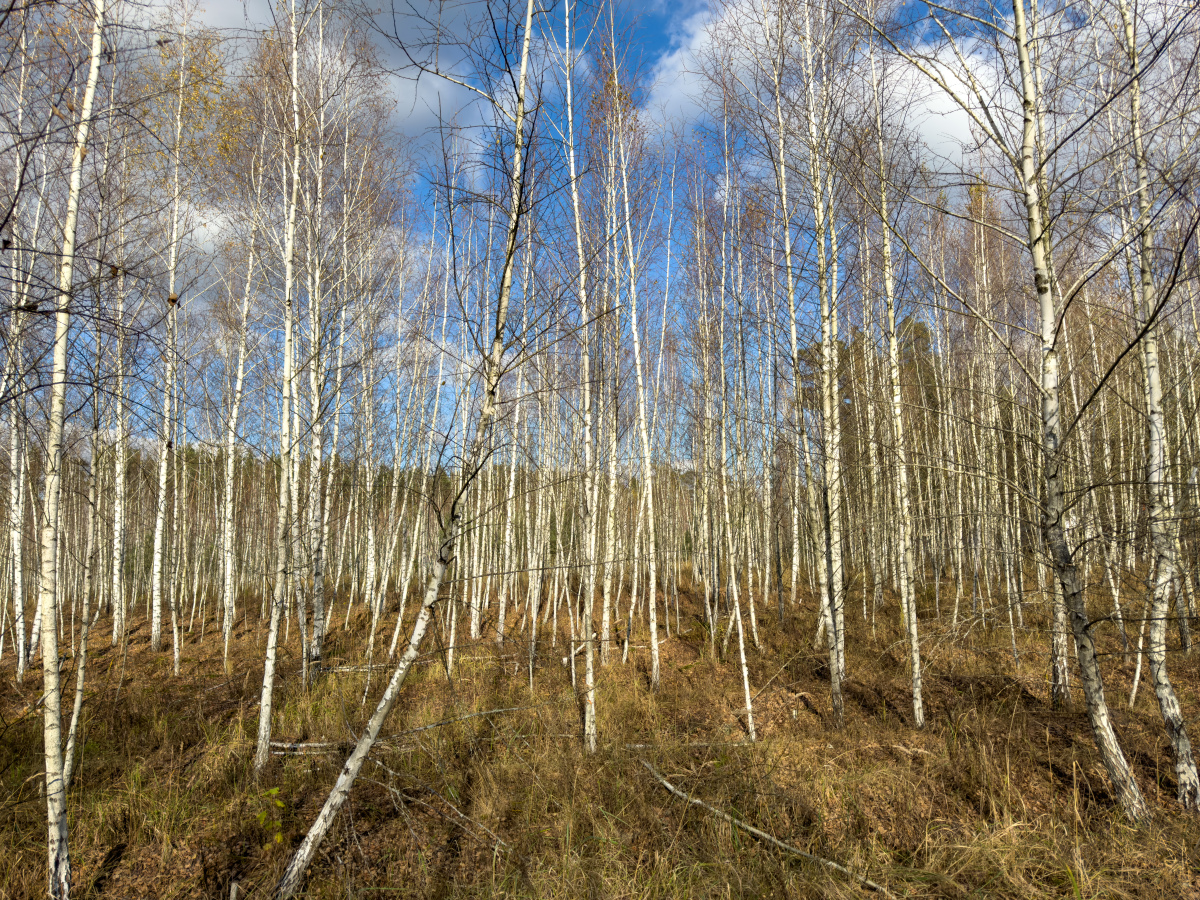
<point x="999" y="796"/>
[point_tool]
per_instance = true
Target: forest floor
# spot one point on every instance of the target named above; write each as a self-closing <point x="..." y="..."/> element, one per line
<point x="998" y="796"/>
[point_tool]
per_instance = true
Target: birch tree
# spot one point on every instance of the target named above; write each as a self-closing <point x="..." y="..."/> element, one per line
<point x="59" y="869"/>
<point x="293" y="875"/>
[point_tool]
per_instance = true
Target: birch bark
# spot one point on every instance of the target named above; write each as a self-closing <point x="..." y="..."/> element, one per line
<point x="905" y="517"/>
<point x="58" y="853"/>
<point x="228" y="586"/>
<point x="1163" y="535"/>
<point x="585" y="364"/>
<point x="642" y="415"/>
<point x="1128" y="793"/>
<point x="293" y="875"/>
<point x="282" y="544"/>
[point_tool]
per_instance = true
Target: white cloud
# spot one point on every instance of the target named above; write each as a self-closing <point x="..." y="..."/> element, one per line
<point x="676" y="96"/>
<point x="679" y="94"/>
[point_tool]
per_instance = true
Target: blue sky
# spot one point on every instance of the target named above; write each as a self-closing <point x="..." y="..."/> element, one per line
<point x="657" y="23"/>
<point x="660" y="32"/>
<point x="661" y="40"/>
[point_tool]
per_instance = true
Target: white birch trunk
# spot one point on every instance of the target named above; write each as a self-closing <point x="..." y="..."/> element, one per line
<point x="228" y="586"/>
<point x="1128" y="793"/>
<point x="59" y="868"/>
<point x="905" y="518"/>
<point x="642" y="416"/>
<point x="294" y="873"/>
<point x="1163" y="535"/>
<point x="263" y="748"/>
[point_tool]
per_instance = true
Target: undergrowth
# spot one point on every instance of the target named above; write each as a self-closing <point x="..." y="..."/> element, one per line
<point x="998" y="796"/>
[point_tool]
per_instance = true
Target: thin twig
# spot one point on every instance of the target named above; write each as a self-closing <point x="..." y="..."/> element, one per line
<point x="762" y="835"/>
<point x="396" y="792"/>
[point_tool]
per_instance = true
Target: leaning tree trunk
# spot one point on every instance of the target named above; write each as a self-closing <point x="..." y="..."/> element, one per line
<point x="293" y="875"/>
<point x="1129" y="795"/>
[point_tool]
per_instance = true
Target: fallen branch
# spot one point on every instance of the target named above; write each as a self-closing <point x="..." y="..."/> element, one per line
<point x="762" y="835"/>
<point x="692" y="746"/>
<point x="286" y="748"/>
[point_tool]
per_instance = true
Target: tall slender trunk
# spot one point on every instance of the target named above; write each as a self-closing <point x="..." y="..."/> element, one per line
<point x="119" y="466"/>
<point x="228" y="586"/>
<point x="1128" y="793"/>
<point x="89" y="580"/>
<point x="16" y="507"/>
<point x="1161" y="517"/>
<point x="642" y="415"/>
<point x="905" y="518"/>
<point x="282" y="543"/>
<point x="169" y="364"/>
<point x="293" y="875"/>
<point x="59" y="870"/>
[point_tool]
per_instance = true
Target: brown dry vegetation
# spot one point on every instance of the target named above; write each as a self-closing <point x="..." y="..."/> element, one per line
<point x="999" y="796"/>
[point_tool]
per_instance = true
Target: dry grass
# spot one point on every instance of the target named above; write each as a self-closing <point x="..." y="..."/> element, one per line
<point x="999" y="796"/>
